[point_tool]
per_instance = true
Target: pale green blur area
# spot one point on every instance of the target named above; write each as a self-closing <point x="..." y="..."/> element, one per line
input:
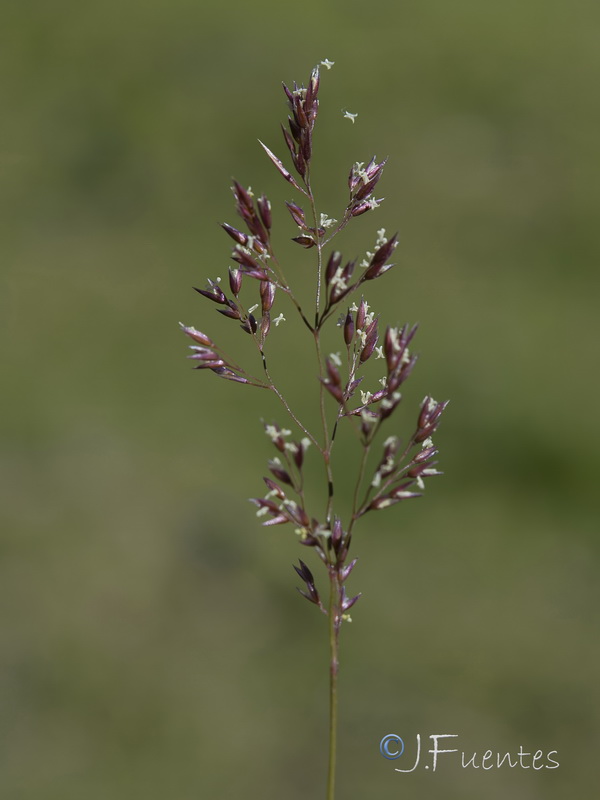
<point x="152" y="641"/>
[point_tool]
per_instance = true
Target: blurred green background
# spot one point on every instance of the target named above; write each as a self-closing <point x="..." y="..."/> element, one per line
<point x="152" y="642"/>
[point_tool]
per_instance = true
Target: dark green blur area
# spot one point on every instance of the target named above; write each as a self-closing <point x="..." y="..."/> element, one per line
<point x="152" y="642"/>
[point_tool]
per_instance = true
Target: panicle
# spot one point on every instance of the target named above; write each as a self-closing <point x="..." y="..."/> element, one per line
<point x="401" y="471"/>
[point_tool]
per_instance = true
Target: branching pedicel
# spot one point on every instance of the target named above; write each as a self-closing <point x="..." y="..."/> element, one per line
<point x="400" y="471"/>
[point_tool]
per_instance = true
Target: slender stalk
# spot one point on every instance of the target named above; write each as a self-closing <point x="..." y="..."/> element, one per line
<point x="345" y="220"/>
<point x="274" y="388"/>
<point x="387" y="483"/>
<point x="334" y="633"/>
<point x="286" y="287"/>
<point x="359" y="480"/>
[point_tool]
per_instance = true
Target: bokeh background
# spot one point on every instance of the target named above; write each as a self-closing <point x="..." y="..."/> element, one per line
<point x="152" y="642"/>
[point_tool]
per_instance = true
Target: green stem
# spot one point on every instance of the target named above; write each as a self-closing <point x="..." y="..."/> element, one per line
<point x="334" y="632"/>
